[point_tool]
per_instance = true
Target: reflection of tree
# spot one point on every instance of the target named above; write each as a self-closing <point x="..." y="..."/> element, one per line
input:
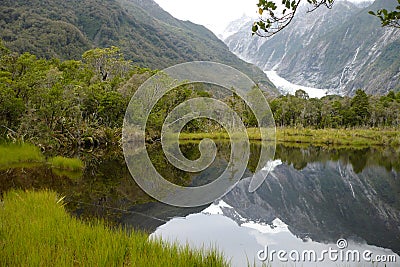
<point x="358" y="158"/>
<point x="164" y="168"/>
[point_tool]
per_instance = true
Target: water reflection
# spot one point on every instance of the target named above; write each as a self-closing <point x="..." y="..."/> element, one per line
<point x="318" y="194"/>
<point x="259" y="243"/>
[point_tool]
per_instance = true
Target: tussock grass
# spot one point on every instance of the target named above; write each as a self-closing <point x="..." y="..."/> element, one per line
<point x="25" y="155"/>
<point x="317" y="137"/>
<point x="35" y="230"/>
<point x="69" y="164"/>
<point x="16" y="154"/>
<point x="340" y="137"/>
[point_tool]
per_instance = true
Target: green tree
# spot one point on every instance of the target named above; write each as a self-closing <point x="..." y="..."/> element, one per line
<point x="360" y="107"/>
<point x="301" y="94"/>
<point x="106" y="63"/>
<point x="112" y="109"/>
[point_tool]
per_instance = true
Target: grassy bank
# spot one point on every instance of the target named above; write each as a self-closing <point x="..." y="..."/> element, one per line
<point x="339" y="137"/>
<point x="25" y="155"/>
<point x="15" y="154"/>
<point x="35" y="230"/>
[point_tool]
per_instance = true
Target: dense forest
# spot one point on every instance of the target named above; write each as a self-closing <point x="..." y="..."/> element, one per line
<point x="146" y="34"/>
<point x="57" y="103"/>
<point x="334" y="111"/>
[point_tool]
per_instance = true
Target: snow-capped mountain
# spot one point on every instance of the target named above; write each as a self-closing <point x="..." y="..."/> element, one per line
<point x="341" y="50"/>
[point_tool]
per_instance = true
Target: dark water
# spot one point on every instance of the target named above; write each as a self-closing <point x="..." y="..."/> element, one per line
<point x="312" y="198"/>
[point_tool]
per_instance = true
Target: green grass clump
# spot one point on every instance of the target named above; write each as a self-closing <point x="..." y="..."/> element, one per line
<point x="70" y="164"/>
<point x="14" y="154"/>
<point x="35" y="230"/>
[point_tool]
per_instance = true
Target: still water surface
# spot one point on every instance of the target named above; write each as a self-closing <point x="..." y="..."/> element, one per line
<point x="312" y="198"/>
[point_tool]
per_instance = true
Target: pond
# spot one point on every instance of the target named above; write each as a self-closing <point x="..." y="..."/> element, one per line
<point x="314" y="197"/>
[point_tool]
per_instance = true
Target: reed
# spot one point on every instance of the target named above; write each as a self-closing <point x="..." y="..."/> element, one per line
<point x="36" y="230"/>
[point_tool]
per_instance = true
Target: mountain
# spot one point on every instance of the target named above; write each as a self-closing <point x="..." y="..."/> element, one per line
<point x="342" y="49"/>
<point x="146" y="34"/>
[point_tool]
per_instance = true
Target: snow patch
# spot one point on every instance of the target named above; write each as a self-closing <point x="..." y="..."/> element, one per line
<point x="286" y="87"/>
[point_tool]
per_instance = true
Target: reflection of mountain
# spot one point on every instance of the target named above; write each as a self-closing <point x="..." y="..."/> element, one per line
<point x="319" y="193"/>
<point x="151" y="215"/>
<point x="326" y="201"/>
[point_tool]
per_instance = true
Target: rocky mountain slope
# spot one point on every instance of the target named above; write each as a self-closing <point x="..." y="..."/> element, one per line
<point x="146" y="34"/>
<point x="342" y="49"/>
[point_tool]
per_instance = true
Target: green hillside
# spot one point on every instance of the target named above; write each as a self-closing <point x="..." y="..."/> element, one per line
<point x="146" y="34"/>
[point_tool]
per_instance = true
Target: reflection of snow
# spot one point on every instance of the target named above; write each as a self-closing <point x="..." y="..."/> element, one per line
<point x="285" y="86"/>
<point x="216" y="208"/>
<point x="272" y="164"/>
<point x="241" y="242"/>
<point x="259" y="177"/>
<point x="346" y="179"/>
<point x="277" y="226"/>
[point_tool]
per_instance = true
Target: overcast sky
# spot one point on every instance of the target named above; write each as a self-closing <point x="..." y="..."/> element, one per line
<point x="214" y="14"/>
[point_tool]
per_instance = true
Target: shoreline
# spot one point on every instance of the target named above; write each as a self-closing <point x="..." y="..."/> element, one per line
<point x="316" y="137"/>
<point x="43" y="233"/>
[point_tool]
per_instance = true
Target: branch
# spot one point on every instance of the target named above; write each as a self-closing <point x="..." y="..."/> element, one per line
<point x="327" y="3"/>
<point x="271" y="24"/>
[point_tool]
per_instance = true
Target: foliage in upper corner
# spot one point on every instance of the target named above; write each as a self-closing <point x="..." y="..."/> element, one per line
<point x="388" y="18"/>
<point x="274" y="18"/>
